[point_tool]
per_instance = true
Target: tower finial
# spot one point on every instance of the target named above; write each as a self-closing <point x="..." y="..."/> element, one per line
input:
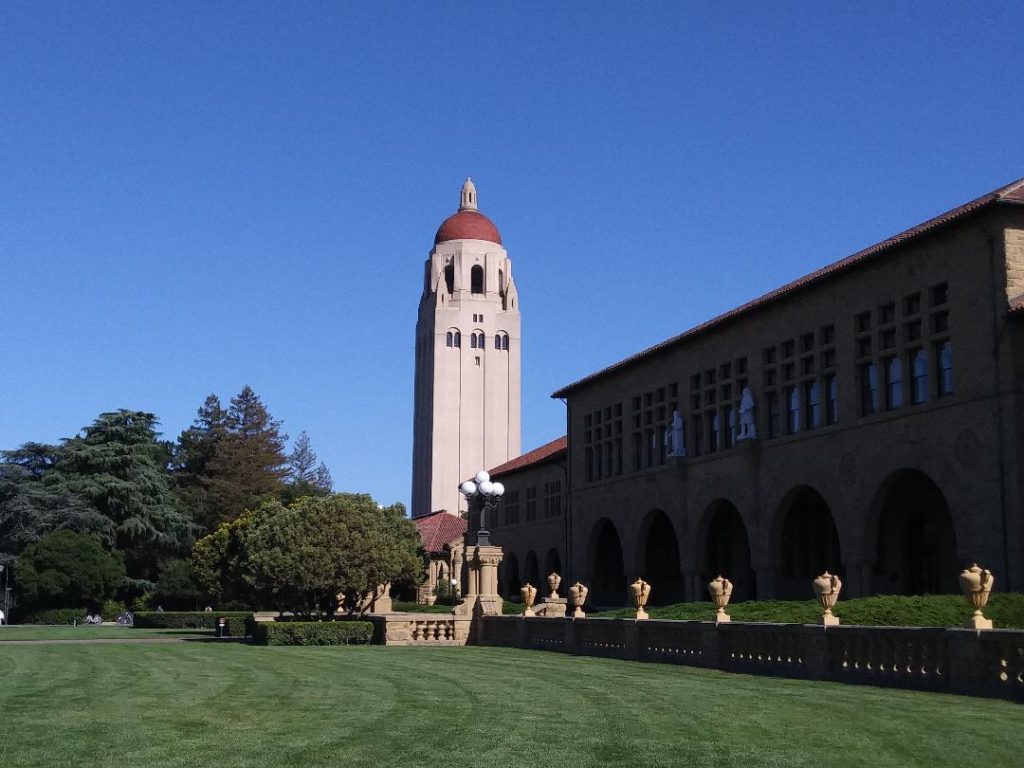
<point x="467" y="201"/>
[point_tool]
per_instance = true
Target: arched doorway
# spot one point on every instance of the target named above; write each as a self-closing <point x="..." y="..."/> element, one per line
<point x="915" y="540"/>
<point x="531" y="572"/>
<point x="511" y="582"/>
<point x="659" y="559"/>
<point x="808" y="543"/>
<point x="726" y="551"/>
<point x="552" y="564"/>
<point x="606" y="568"/>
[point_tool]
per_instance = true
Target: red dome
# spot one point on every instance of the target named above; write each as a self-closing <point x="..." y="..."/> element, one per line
<point x="467" y="225"/>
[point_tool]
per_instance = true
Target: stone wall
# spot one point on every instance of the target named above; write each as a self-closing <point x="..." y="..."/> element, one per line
<point x="961" y="661"/>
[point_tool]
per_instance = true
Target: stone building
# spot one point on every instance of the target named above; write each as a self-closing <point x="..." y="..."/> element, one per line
<point x="467" y="399"/>
<point x="867" y="418"/>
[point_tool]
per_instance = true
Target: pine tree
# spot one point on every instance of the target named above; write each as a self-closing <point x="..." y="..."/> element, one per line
<point x="119" y="467"/>
<point x="249" y="464"/>
<point x="192" y="462"/>
<point x="306" y="477"/>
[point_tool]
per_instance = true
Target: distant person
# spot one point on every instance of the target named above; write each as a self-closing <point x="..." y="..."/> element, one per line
<point x="2" y="617"/>
<point x="159" y="609"/>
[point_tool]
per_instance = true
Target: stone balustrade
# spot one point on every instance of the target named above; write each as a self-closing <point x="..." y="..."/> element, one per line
<point x="963" y="661"/>
<point x="416" y="629"/>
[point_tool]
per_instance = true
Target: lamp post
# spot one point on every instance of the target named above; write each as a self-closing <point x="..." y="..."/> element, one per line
<point x="481" y="496"/>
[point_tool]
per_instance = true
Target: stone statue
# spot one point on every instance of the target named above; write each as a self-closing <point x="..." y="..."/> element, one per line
<point x="748" y="429"/>
<point x="675" y="436"/>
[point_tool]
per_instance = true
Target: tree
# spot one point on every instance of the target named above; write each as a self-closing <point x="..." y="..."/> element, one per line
<point x="248" y="464"/>
<point x="192" y="462"/>
<point x="67" y="570"/>
<point x="176" y="587"/>
<point x="303" y="556"/>
<point x="30" y="509"/>
<point x="306" y="477"/>
<point x="119" y="467"/>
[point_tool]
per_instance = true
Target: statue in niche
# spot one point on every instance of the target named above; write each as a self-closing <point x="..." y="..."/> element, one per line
<point x="748" y="429"/>
<point x="675" y="441"/>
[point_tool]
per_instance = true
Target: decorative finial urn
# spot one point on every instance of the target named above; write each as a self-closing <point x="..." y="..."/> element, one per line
<point x="976" y="583"/>
<point x="827" y="587"/>
<point x="529" y="593"/>
<point x="720" y="590"/>
<point x="553" y="581"/>
<point x="641" y="593"/>
<point x="578" y="594"/>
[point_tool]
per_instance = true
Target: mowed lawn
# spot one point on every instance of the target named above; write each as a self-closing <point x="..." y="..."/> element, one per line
<point x="62" y="633"/>
<point x="210" y="704"/>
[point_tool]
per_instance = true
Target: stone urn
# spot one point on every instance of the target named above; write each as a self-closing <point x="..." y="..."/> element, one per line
<point x="720" y="590"/>
<point x="976" y="583"/>
<point x="553" y="581"/>
<point x="641" y="593"/>
<point x="827" y="587"/>
<point x="529" y="593"/>
<point x="578" y="595"/>
<point x="431" y="599"/>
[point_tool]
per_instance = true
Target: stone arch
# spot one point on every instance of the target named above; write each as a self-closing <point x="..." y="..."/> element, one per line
<point x="725" y="550"/>
<point x="553" y="564"/>
<point x="531" y="571"/>
<point x="607" y="571"/>
<point x="658" y="558"/>
<point x="807" y="542"/>
<point x="476" y="279"/>
<point x="510" y="565"/>
<point x="912" y="537"/>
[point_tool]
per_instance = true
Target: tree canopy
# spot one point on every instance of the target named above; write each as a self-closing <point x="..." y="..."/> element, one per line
<point x="68" y="569"/>
<point x="304" y="556"/>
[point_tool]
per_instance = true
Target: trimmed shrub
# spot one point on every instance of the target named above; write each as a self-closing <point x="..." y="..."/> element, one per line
<point x="58" y="616"/>
<point x="314" y="633"/>
<point x="238" y="621"/>
<point x="111" y="610"/>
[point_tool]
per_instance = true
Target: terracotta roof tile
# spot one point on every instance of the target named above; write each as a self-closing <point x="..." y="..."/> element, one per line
<point x="1013" y="193"/>
<point x="438" y="529"/>
<point x="547" y="452"/>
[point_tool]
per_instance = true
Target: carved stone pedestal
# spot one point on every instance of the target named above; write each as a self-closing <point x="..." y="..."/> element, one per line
<point x="482" y="598"/>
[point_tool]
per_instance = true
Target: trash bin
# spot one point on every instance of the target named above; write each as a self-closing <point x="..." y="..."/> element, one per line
<point x="222" y="627"/>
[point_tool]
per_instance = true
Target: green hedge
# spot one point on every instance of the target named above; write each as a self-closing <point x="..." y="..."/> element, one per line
<point x="314" y="633"/>
<point x="238" y="621"/>
<point x="58" y="616"/>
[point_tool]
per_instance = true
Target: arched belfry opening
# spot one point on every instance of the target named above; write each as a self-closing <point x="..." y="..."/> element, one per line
<point x="915" y="545"/>
<point x="659" y="561"/>
<point x="476" y="279"/>
<point x="808" y="543"/>
<point x="606" y="566"/>
<point x="449" y="278"/>
<point x="726" y="551"/>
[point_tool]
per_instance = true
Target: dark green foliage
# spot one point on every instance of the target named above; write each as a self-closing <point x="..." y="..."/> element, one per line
<point x="314" y="633"/>
<point x="1006" y="610"/>
<point x="192" y="461"/>
<point x="400" y="606"/>
<point x="30" y="509"/>
<point x="57" y="616"/>
<point x="68" y="568"/>
<point x="238" y="621"/>
<point x="111" y="609"/>
<point x="120" y="467"/>
<point x="300" y="558"/>
<point x="307" y="476"/>
<point x="176" y="587"/>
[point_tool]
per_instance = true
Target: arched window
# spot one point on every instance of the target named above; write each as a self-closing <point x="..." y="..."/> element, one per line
<point x="449" y="277"/>
<point x="504" y="342"/>
<point x="458" y="339"/>
<point x="476" y="279"/>
<point x="501" y="281"/>
<point x="472" y="340"/>
<point x="449" y="339"/>
<point x="497" y="341"/>
<point x="945" y="360"/>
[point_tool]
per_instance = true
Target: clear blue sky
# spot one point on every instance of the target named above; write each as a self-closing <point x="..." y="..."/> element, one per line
<point x="195" y="197"/>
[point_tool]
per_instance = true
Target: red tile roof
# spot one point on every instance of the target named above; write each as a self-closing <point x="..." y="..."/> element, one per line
<point x="438" y="529"/>
<point x="548" y="452"/>
<point x="467" y="225"/>
<point x="1012" y="193"/>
